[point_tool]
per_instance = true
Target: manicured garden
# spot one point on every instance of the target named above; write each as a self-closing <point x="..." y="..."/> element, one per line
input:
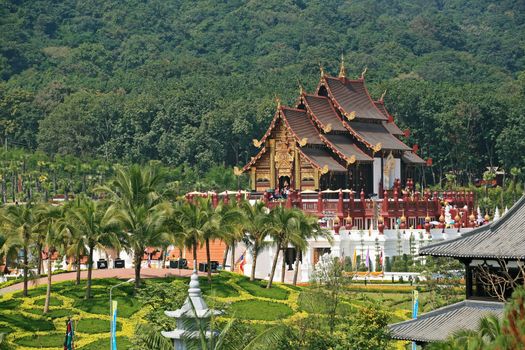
<point x="27" y="327"/>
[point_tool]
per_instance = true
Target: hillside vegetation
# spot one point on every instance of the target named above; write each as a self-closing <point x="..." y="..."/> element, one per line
<point x="194" y="81"/>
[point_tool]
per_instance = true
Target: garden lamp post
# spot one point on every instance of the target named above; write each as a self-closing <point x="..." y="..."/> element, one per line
<point x="111" y="310"/>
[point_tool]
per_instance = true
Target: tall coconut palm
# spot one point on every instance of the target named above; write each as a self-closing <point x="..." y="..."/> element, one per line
<point x="283" y="226"/>
<point x="51" y="223"/>
<point x="85" y="219"/>
<point x="194" y="223"/>
<point x="76" y="243"/>
<point x="308" y="228"/>
<point x="226" y="225"/>
<point x="136" y="197"/>
<point x="18" y="223"/>
<point x="254" y="226"/>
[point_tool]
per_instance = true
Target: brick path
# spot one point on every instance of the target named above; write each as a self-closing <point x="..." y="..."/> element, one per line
<point x="106" y="273"/>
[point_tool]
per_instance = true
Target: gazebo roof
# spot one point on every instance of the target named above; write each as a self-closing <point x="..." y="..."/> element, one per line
<point x="502" y="239"/>
<point x="439" y="324"/>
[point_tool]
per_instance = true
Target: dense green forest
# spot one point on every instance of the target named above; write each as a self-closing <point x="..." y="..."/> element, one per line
<point x="193" y="82"/>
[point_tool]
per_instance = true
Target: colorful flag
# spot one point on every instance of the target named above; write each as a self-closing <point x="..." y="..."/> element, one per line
<point x="416" y="304"/>
<point x="69" y="341"/>
<point x="243" y="261"/>
<point x="414" y="312"/>
<point x="114" y="326"/>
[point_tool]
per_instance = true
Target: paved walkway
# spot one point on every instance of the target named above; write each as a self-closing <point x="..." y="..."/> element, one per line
<point x="107" y="273"/>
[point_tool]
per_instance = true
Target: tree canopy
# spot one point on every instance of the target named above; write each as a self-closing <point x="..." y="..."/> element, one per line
<point x="193" y="82"/>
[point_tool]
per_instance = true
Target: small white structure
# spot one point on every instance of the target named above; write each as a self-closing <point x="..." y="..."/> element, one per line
<point x="192" y="317"/>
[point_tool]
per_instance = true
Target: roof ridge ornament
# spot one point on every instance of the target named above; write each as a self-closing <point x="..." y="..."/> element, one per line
<point x="382" y="98"/>
<point x="342" y="70"/>
<point x="301" y="89"/>
<point x="278" y="101"/>
<point x="363" y="73"/>
<point x="321" y="69"/>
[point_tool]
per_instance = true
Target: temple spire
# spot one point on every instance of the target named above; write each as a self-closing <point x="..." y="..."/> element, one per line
<point x="278" y="101"/>
<point x="342" y="70"/>
<point x="322" y="70"/>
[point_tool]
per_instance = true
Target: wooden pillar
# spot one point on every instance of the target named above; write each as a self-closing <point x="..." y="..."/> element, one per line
<point x="340" y="206"/>
<point x="272" y="163"/>
<point x="468" y="278"/>
<point x="253" y="178"/>
<point x="317" y="174"/>
<point x="297" y="165"/>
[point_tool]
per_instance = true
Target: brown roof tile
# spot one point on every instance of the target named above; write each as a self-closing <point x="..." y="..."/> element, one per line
<point x="321" y="158"/>
<point x="352" y="96"/>
<point x="412" y="158"/>
<point x="376" y="133"/>
<point x="301" y="125"/>
<point x="322" y="109"/>
<point x="346" y="146"/>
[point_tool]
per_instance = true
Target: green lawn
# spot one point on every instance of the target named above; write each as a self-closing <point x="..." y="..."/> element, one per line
<point x="52" y="302"/>
<point x="41" y="341"/>
<point x="258" y="289"/>
<point x="259" y="310"/>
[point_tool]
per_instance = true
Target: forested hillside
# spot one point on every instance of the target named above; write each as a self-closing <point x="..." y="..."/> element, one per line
<point x="194" y="81"/>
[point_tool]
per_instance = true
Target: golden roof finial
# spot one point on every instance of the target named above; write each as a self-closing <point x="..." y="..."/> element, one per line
<point x="322" y="70"/>
<point x="301" y="89"/>
<point x="278" y="101"/>
<point x="363" y="73"/>
<point x="342" y="70"/>
<point x="382" y="96"/>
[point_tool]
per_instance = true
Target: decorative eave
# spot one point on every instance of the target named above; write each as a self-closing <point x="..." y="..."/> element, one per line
<point x="254" y="160"/>
<point x="348" y="160"/>
<point x="300" y="141"/>
<point x="326" y="128"/>
<point x="350" y="115"/>
<point x="269" y="130"/>
<point x="322" y="170"/>
<point x="322" y="82"/>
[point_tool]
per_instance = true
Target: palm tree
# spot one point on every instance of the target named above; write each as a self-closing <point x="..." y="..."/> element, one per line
<point x="18" y="222"/>
<point x="85" y="219"/>
<point x="76" y="246"/>
<point x="308" y="228"/>
<point x="226" y="225"/>
<point x="283" y="226"/>
<point x="52" y="224"/>
<point x="137" y="206"/>
<point x="191" y="222"/>
<point x="255" y="217"/>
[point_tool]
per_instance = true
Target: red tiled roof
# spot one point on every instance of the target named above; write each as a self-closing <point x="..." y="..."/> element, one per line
<point x="352" y="96"/>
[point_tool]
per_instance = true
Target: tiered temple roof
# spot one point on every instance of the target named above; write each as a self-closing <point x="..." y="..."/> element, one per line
<point x="327" y="132"/>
